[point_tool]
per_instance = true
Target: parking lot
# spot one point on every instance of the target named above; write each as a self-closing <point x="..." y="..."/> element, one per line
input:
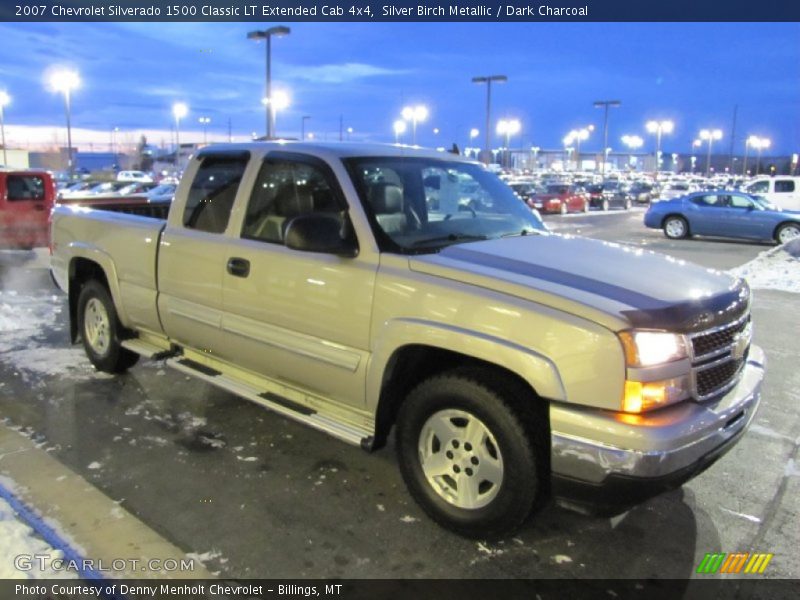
<point x="256" y="495"/>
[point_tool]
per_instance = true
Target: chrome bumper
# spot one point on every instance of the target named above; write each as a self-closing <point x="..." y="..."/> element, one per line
<point x="676" y="442"/>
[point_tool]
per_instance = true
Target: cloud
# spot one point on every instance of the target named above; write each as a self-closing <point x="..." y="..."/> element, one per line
<point x="344" y="73"/>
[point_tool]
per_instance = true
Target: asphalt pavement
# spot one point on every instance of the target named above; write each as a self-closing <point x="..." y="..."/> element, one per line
<point x="257" y="495"/>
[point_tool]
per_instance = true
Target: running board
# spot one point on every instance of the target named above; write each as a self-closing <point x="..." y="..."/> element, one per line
<point x="146" y="349"/>
<point x="279" y="404"/>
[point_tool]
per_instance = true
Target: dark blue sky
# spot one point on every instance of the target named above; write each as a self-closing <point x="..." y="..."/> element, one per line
<point x="691" y="73"/>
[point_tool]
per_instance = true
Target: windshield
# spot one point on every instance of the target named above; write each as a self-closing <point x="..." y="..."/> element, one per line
<point x="420" y="205"/>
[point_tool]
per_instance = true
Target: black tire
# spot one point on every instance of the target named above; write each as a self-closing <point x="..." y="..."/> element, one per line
<point x="100" y="333"/>
<point x="518" y="434"/>
<point x="676" y="227"/>
<point x="783" y="233"/>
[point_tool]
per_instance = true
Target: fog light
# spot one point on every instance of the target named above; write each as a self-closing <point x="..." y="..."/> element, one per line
<point x="641" y="396"/>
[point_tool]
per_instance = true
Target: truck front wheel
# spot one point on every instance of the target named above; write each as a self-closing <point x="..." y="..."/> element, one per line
<point x="468" y="457"/>
<point x="100" y="330"/>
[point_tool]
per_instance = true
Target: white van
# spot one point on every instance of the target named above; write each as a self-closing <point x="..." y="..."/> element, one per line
<point x="782" y="190"/>
<point x="137" y="176"/>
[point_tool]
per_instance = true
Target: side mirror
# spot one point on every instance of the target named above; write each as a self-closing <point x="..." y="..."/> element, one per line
<point x="319" y="232"/>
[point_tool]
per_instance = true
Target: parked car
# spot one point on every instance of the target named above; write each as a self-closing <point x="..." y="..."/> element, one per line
<point x="560" y="198"/>
<point x="782" y="191"/>
<point x="525" y="191"/>
<point x="675" y="189"/>
<point x="642" y="192"/>
<point x="26" y="198"/>
<point x="139" y="176"/>
<point x="724" y="214"/>
<point x="163" y="192"/>
<point x="610" y="194"/>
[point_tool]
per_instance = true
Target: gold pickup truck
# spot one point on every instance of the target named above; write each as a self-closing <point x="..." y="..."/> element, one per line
<point x="365" y="288"/>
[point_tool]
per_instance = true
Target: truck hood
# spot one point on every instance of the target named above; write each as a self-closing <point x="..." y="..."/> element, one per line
<point x="618" y="285"/>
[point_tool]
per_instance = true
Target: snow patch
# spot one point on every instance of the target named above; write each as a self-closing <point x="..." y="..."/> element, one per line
<point x="94" y="465"/>
<point x="408" y="519"/>
<point x="775" y="269"/>
<point x="562" y="559"/>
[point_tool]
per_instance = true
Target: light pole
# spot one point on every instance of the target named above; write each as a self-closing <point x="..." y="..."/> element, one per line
<point x="605" y="104"/>
<point x="507" y="128"/>
<point x="659" y="128"/>
<point x="5" y="99"/>
<point x="488" y="79"/>
<point x="759" y="144"/>
<point x="266" y="35"/>
<point x="349" y="132"/>
<point x="303" y="120"/>
<point x="576" y="136"/>
<point x="399" y="129"/>
<point x="279" y="102"/>
<point x="179" y="110"/>
<point x="415" y="114"/>
<point x="709" y="135"/>
<point x="204" y="121"/>
<point x="535" y="151"/>
<point x="633" y="142"/>
<point x="65" y="82"/>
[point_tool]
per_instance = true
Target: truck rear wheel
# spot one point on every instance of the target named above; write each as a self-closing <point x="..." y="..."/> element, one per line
<point x="468" y="457"/>
<point x="100" y="329"/>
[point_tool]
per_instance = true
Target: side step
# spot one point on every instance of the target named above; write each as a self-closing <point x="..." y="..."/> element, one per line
<point x="284" y="406"/>
<point x="146" y="349"/>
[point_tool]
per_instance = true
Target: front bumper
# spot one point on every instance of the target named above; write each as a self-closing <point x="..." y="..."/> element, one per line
<point x="644" y="455"/>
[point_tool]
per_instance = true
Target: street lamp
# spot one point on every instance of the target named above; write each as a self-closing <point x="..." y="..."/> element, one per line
<point x="204" y="121"/>
<point x="535" y="152"/>
<point x="605" y="104"/>
<point x="179" y="110"/>
<point x="303" y="120"/>
<point x="5" y="99"/>
<point x="709" y="135"/>
<point x="633" y="142"/>
<point x="576" y="136"/>
<point x="65" y="81"/>
<point x="488" y="79"/>
<point x="399" y="129"/>
<point x="415" y="114"/>
<point x="658" y="128"/>
<point x="349" y="131"/>
<point x="280" y="101"/>
<point x="507" y="128"/>
<point x="759" y="144"/>
<point x="266" y="35"/>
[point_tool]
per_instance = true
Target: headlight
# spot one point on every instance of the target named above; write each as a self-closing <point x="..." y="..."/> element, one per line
<point x="650" y="348"/>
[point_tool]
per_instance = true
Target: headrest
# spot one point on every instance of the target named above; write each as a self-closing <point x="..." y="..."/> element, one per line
<point x="386" y="198"/>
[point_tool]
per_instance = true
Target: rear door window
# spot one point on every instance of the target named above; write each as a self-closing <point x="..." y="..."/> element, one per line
<point x="784" y="185"/>
<point x="213" y="191"/>
<point x="24" y="187"/>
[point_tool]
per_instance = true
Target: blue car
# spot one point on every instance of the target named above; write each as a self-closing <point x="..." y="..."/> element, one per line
<point x="724" y="214"/>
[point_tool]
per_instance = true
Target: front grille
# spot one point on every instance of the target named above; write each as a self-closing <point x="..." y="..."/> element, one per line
<point x="714" y="379"/>
<point x="706" y="344"/>
<point x="718" y="357"/>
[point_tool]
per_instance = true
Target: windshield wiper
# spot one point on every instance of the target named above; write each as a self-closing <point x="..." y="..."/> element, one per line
<point x="452" y="237"/>
<point x="523" y="232"/>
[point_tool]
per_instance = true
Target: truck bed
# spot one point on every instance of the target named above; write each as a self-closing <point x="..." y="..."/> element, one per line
<point x="132" y="205"/>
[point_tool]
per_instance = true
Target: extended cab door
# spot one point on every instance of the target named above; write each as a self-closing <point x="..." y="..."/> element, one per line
<point x="193" y="251"/>
<point x="296" y="316"/>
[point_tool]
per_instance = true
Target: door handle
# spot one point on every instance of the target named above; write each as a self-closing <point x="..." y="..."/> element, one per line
<point x="238" y="267"/>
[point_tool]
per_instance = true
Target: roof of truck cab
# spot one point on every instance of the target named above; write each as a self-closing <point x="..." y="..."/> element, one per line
<point x="328" y="150"/>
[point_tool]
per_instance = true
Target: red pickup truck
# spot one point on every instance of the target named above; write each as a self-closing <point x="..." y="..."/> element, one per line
<point x="26" y="198"/>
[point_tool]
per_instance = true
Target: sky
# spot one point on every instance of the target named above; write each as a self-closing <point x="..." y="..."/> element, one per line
<point x="694" y="74"/>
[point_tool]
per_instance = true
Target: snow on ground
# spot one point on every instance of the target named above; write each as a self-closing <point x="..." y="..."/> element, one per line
<point x="776" y="269"/>
<point x="18" y="539"/>
<point x="25" y="321"/>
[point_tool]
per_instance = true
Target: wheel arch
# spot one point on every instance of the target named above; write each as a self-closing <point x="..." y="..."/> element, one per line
<point x="782" y="224"/>
<point x="81" y="270"/>
<point x="409" y="364"/>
